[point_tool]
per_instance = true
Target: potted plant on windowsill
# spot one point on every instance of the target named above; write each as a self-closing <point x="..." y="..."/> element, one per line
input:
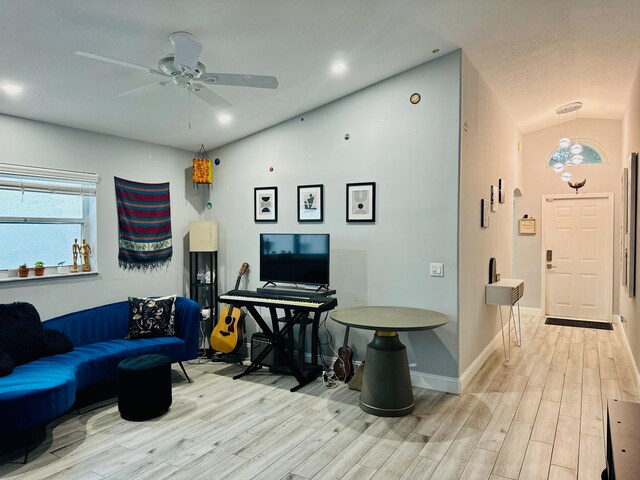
<point x="38" y="268"/>
<point x="23" y="270"/>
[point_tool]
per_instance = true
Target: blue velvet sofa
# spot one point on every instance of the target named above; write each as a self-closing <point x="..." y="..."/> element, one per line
<point x="42" y="389"/>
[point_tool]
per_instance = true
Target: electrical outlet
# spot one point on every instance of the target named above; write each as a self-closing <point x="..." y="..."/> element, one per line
<point x="436" y="269"/>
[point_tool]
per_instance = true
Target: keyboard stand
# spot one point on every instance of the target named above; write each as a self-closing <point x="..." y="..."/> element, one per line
<point x="278" y="336"/>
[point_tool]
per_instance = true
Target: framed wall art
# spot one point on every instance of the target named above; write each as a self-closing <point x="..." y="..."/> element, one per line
<point x="494" y="198"/>
<point x="310" y="203"/>
<point x="631" y="205"/>
<point x="484" y="213"/>
<point x="624" y="224"/>
<point x="265" y="204"/>
<point x="361" y="202"/>
<point x="501" y="191"/>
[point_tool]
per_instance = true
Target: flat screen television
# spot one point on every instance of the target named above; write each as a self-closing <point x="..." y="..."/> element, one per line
<point x="294" y="258"/>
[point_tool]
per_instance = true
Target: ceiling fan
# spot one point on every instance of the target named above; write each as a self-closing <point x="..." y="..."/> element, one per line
<point x="183" y="70"/>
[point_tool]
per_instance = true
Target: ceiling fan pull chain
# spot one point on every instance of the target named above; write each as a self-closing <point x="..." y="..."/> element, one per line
<point x="189" y="109"/>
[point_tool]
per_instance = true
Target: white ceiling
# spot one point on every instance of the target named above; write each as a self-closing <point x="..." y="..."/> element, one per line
<point x="536" y="55"/>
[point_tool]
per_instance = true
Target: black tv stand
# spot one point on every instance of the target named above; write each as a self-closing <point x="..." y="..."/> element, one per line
<point x="269" y="283"/>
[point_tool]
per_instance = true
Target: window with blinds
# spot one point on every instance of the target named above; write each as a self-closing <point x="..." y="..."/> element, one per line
<point x="42" y="212"/>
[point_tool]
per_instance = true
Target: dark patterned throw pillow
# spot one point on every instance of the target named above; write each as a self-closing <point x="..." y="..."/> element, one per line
<point x="151" y="317"/>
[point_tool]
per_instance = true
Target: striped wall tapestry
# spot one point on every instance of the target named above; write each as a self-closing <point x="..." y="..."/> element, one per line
<point x="144" y="224"/>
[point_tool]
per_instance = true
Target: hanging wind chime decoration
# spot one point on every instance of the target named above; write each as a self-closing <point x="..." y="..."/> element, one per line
<point x="202" y="168"/>
<point x="570" y="151"/>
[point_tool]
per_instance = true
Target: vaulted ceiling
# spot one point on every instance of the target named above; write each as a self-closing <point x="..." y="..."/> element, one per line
<point x="535" y="56"/>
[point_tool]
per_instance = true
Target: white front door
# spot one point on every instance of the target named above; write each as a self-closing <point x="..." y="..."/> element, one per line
<point x="578" y="256"/>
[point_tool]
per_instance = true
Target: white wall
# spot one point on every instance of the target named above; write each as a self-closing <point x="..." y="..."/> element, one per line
<point x="630" y="307"/>
<point x="539" y="180"/>
<point x="28" y="142"/>
<point x="489" y="151"/>
<point x="411" y="152"/>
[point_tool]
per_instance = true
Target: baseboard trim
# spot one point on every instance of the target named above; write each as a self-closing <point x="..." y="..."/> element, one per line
<point x="477" y="364"/>
<point x="435" y="382"/>
<point x="418" y="379"/>
<point x="533" y="311"/>
<point x="623" y="334"/>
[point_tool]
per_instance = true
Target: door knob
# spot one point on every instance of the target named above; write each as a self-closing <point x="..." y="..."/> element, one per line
<point x="549" y="266"/>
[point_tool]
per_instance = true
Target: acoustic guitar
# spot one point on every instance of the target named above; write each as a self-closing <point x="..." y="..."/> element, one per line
<point x="343" y="366"/>
<point x="228" y="333"/>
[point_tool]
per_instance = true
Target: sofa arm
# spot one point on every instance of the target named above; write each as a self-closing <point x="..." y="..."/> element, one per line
<point x="188" y="324"/>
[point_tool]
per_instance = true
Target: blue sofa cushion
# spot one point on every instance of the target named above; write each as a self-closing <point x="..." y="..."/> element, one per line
<point x="151" y="317"/>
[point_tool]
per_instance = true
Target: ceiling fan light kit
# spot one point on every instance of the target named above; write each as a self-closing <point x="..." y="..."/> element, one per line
<point x="183" y="69"/>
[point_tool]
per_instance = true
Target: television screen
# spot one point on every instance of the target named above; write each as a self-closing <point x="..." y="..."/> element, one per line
<point x="294" y="258"/>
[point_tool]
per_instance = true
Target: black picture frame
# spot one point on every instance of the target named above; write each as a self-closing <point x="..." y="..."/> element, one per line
<point x="501" y="192"/>
<point x="310" y="203"/>
<point x="361" y="202"/>
<point x="484" y="213"/>
<point x="265" y="204"/>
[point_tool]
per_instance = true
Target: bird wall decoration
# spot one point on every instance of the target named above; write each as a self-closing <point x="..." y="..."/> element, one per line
<point x="578" y="185"/>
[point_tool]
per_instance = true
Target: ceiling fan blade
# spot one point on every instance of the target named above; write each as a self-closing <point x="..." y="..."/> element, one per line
<point x="187" y="51"/>
<point x="239" y="80"/>
<point x="207" y="96"/>
<point x="136" y="92"/>
<point x="122" y="63"/>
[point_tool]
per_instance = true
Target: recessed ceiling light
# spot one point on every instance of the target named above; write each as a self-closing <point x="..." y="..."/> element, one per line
<point x="12" y="88"/>
<point x="224" y="118"/>
<point x="338" y="67"/>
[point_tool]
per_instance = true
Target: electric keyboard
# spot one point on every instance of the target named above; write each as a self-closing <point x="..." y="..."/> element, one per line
<point x="248" y="297"/>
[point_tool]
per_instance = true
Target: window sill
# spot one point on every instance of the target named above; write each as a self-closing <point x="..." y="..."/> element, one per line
<point x="46" y="276"/>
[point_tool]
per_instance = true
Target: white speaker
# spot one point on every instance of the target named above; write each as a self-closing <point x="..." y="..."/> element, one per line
<point x="203" y="236"/>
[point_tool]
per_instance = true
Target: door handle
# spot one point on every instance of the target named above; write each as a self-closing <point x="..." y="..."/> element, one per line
<point x="549" y="266"/>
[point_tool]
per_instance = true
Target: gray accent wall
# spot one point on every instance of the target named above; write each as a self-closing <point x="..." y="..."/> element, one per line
<point x="412" y="153"/>
<point x="28" y="142"/>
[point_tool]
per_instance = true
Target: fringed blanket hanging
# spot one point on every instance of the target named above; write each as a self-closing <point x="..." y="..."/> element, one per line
<point x="144" y="223"/>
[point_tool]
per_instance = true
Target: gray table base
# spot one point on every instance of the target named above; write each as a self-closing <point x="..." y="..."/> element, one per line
<point x="386" y="384"/>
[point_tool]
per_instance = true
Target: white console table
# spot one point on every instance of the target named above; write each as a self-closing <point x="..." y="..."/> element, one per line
<point x="507" y="291"/>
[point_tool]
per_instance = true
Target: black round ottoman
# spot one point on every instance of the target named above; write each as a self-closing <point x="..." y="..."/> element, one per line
<point x="144" y="387"/>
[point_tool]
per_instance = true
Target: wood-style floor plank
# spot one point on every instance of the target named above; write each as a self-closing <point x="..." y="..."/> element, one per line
<point x="541" y="415"/>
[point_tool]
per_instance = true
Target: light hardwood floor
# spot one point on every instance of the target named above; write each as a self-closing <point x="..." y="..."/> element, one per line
<point x="539" y="416"/>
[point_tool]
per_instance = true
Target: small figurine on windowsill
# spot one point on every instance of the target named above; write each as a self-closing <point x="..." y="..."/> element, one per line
<point x="75" y="248"/>
<point x="86" y="252"/>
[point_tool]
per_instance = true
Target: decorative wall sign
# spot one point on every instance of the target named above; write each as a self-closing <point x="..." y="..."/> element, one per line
<point x="527" y="226"/>
<point x="501" y="192"/>
<point x="265" y="207"/>
<point x="484" y="213"/>
<point x="310" y="203"/>
<point x="361" y="202"/>
<point x="494" y="198"/>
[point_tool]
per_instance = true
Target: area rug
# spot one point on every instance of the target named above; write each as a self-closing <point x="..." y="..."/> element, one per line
<point x="564" y="322"/>
<point x="144" y="224"/>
